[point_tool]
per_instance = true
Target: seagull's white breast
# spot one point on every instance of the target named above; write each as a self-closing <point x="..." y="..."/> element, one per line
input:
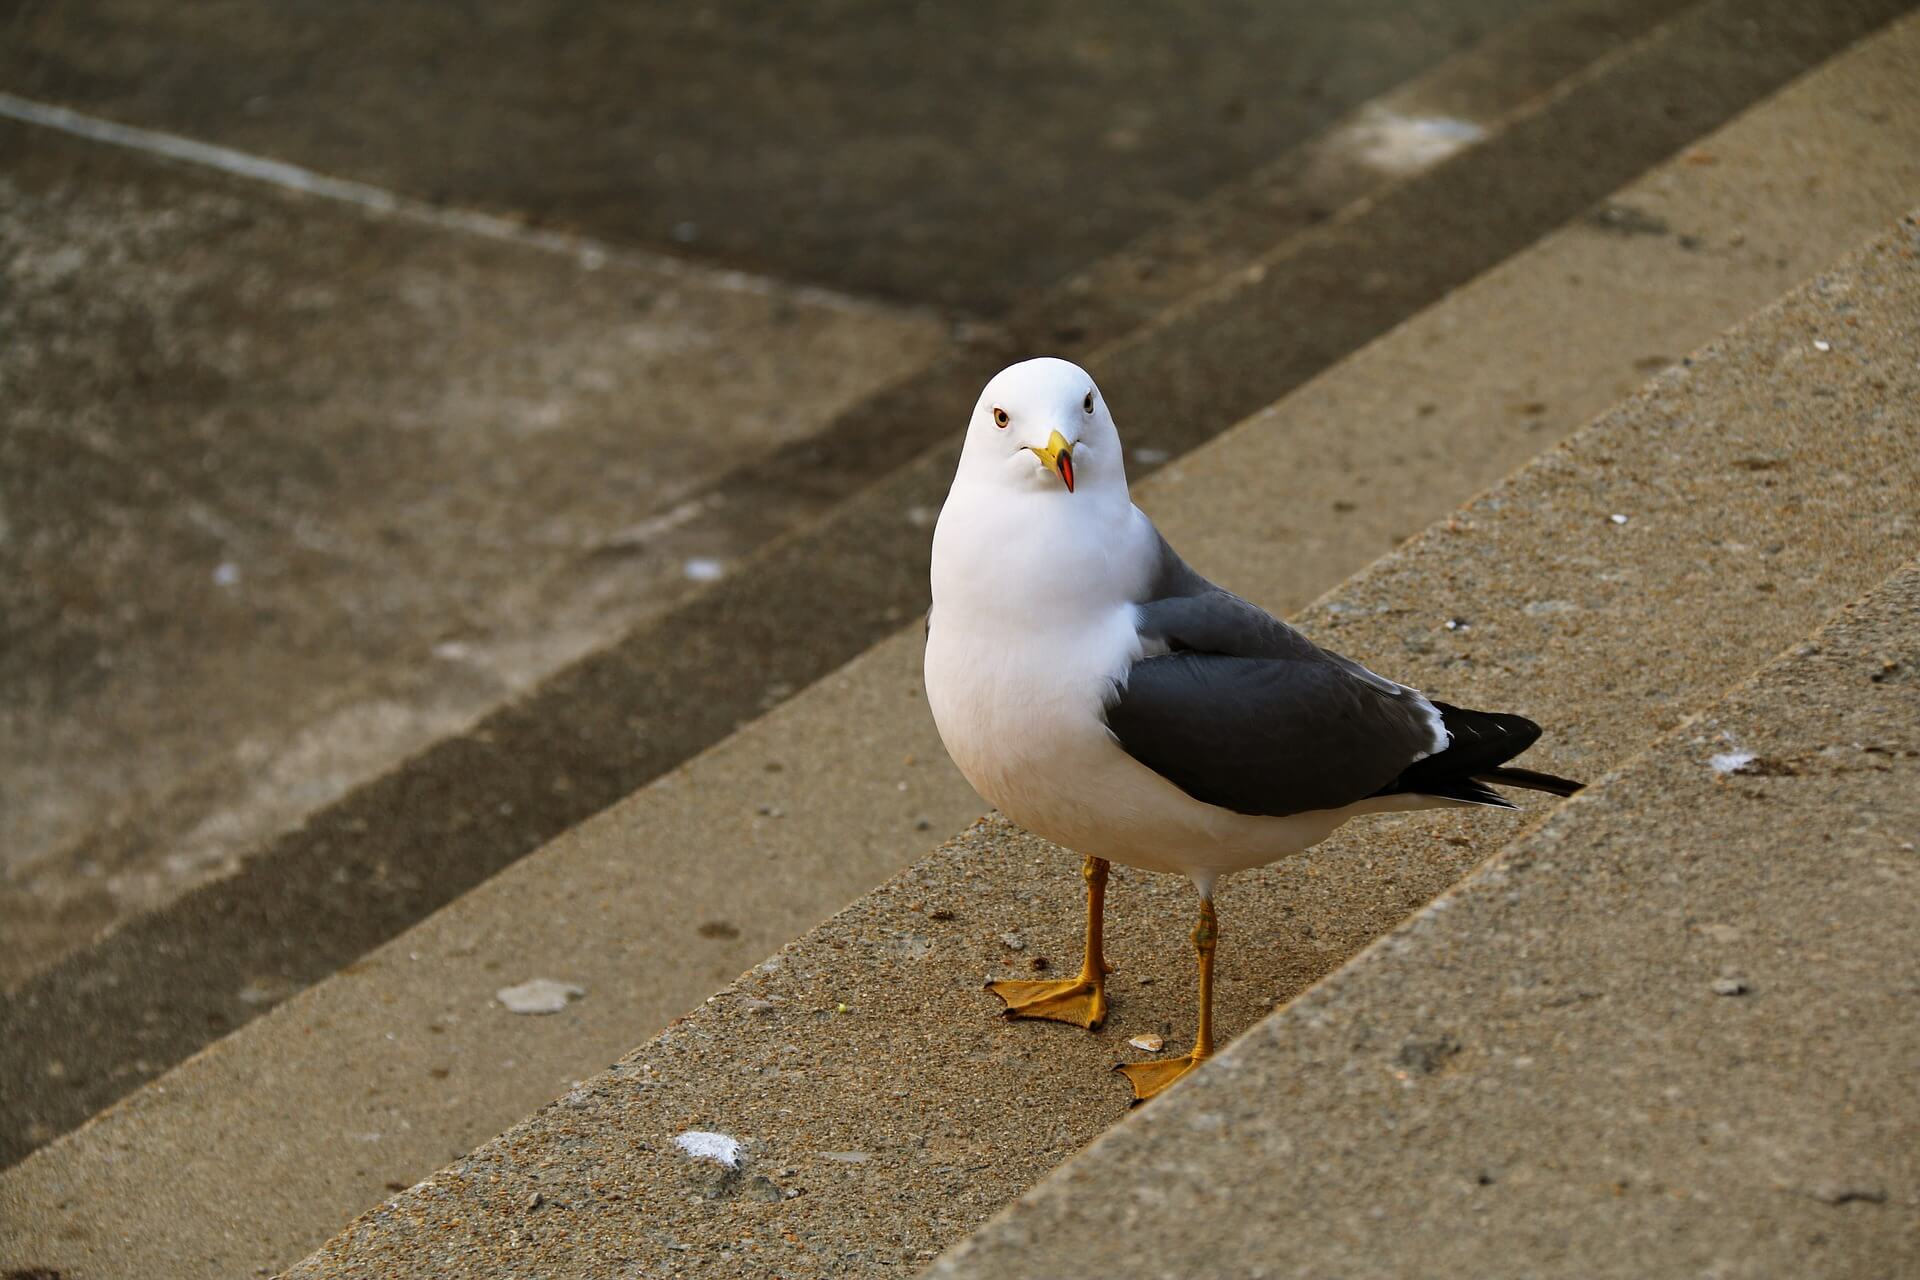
<point x="1025" y="648"/>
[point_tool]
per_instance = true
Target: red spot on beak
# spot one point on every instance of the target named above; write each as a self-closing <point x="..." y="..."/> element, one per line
<point x="1066" y="470"/>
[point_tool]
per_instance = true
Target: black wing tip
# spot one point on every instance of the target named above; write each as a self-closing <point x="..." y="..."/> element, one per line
<point x="1469" y="791"/>
<point x="1481" y="744"/>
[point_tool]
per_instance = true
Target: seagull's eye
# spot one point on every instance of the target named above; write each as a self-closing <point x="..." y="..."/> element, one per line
<point x="1000" y="418"/>
<point x="1087" y="404"/>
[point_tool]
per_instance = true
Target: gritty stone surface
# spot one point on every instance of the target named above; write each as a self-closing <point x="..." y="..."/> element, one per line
<point x="678" y="864"/>
<point x="1595" y="1115"/>
<point x="312" y="899"/>
<point x="864" y="1049"/>
<point x="952" y="154"/>
<point x="288" y="491"/>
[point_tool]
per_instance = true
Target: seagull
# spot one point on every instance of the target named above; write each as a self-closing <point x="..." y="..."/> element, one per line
<point x="1106" y="697"/>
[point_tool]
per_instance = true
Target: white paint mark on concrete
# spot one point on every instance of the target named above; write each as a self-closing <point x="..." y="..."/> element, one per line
<point x="703" y="1144"/>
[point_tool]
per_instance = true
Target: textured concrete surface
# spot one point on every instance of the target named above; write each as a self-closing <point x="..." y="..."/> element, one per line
<point x="151" y="992"/>
<point x="1463" y="102"/>
<point x="290" y="491"/>
<point x="955" y="154"/>
<point x="835" y="808"/>
<point x="1669" y="1032"/>
<point x="883" y="1108"/>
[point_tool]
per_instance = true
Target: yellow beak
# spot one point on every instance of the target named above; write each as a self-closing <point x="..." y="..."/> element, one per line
<point x="1058" y="455"/>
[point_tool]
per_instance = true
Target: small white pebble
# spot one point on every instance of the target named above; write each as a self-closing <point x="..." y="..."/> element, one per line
<point x="539" y="995"/>
<point x="1729" y="987"/>
<point x="1617" y="518"/>
<point x="226" y="574"/>
<point x="1821" y="344"/>
<point x="1731" y="761"/>
<point x="1148" y="1044"/>
<point x="704" y="1144"/>
<point x="703" y="569"/>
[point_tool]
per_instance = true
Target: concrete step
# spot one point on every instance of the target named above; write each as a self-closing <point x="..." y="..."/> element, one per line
<point x="1666" y="1032"/>
<point x="288" y="500"/>
<point x="954" y="156"/>
<point x="177" y="817"/>
<point x="309" y="900"/>
<point x="1608" y="588"/>
<point x="436" y="1065"/>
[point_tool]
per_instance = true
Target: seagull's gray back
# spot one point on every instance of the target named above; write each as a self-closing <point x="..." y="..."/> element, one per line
<point x="1240" y="710"/>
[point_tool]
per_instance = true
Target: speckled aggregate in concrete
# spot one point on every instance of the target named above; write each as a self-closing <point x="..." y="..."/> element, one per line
<point x="1670" y="1032"/>
<point x="434" y="1069"/>
<point x="957" y="155"/>
<point x="291" y="490"/>
<point x="886" y="1109"/>
<point x="312" y="899"/>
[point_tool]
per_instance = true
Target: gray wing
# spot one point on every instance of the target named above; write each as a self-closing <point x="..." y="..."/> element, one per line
<point x="1244" y="712"/>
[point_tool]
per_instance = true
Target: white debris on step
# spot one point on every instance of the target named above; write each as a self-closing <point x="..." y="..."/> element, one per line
<point x="1617" y="518"/>
<point x="539" y="995"/>
<point x="1731" y="761"/>
<point x="704" y="1144"/>
<point x="1397" y="143"/>
<point x="1148" y="1044"/>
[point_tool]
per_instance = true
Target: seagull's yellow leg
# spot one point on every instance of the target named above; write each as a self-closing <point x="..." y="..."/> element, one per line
<point x="1149" y="1078"/>
<point x="1080" y="1000"/>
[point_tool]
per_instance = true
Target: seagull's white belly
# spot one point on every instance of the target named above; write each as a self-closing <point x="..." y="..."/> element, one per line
<point x="1022" y="720"/>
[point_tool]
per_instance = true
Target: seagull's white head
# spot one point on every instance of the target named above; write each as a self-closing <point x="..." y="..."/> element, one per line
<point x="1041" y="426"/>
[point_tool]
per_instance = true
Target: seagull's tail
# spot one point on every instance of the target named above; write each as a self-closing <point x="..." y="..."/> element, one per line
<point x="1479" y="745"/>
<point x="1530" y="780"/>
